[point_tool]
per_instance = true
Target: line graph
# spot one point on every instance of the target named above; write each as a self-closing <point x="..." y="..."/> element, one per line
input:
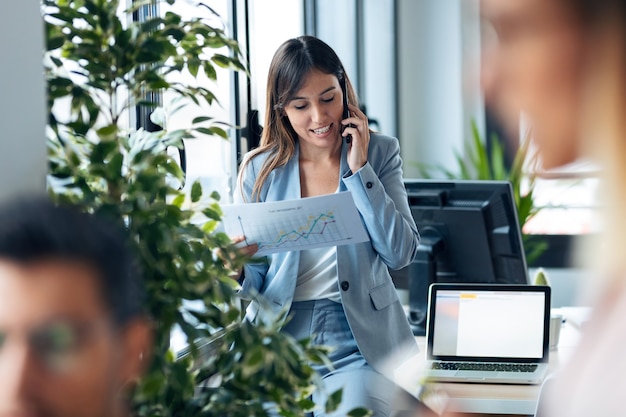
<point x="297" y="224"/>
<point x="315" y="226"/>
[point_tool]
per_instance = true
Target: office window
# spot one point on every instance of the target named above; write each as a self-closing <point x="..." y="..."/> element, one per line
<point x="259" y="27"/>
<point x="207" y="157"/>
<point x="272" y="22"/>
<point x="568" y="201"/>
<point x="566" y="196"/>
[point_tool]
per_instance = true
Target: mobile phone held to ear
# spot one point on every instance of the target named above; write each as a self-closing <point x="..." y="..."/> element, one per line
<point x="346" y="111"/>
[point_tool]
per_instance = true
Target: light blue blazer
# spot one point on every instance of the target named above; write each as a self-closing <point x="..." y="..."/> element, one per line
<point x="376" y="317"/>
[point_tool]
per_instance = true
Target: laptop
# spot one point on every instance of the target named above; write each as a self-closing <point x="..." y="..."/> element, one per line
<point x="488" y="333"/>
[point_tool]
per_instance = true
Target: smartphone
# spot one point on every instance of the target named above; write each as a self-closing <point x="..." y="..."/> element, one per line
<point x="346" y="111"/>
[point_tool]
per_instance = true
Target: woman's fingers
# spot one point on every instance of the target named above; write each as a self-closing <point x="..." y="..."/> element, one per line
<point x="238" y="239"/>
<point x="357" y="120"/>
<point x="249" y="249"/>
<point x="357" y="126"/>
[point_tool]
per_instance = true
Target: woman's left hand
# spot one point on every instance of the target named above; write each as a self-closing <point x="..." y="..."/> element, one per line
<point x="357" y="126"/>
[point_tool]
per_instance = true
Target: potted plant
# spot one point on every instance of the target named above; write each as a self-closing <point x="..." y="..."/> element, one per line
<point x="477" y="163"/>
<point x="98" y="67"/>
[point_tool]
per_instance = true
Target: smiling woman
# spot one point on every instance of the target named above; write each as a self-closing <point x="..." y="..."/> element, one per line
<point x="337" y="296"/>
<point x="317" y="109"/>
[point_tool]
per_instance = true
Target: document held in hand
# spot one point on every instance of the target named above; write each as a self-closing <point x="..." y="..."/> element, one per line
<point x="306" y="223"/>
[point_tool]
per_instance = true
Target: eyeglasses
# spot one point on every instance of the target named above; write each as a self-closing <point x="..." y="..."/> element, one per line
<point x="57" y="346"/>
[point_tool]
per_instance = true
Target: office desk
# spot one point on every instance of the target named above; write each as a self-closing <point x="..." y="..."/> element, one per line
<point x="501" y="399"/>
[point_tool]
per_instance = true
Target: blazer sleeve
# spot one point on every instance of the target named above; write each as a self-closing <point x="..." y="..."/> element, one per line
<point x="254" y="272"/>
<point x="380" y="197"/>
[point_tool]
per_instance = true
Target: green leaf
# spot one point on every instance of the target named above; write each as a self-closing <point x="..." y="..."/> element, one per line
<point x="306" y="404"/>
<point x="213" y="131"/>
<point x="212" y="213"/>
<point x="481" y="161"/>
<point x="179" y="200"/>
<point x="209" y="70"/>
<point x="222" y="61"/>
<point x="359" y="412"/>
<point x="201" y="119"/>
<point x="101" y="151"/>
<point x="254" y="360"/>
<point x="196" y="192"/>
<point x="152" y="24"/>
<point x="55" y="43"/>
<point x="107" y="132"/>
<point x="333" y="401"/>
<point x="114" y="167"/>
<point x="193" y="65"/>
<point x="56" y="61"/>
<point x="498" y="170"/>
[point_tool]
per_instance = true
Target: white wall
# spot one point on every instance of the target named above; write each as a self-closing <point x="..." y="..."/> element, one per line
<point x="438" y="78"/>
<point x="22" y="99"/>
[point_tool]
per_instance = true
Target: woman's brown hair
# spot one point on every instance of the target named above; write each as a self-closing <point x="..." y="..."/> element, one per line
<point x="291" y="63"/>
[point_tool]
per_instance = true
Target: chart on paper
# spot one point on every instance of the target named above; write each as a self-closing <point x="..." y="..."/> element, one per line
<point x="306" y="223"/>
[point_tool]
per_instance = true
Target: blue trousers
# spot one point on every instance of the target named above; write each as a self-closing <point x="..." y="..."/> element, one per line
<point x="325" y="322"/>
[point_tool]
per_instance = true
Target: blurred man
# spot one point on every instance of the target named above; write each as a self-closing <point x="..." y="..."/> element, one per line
<point x="537" y="64"/>
<point x="72" y="333"/>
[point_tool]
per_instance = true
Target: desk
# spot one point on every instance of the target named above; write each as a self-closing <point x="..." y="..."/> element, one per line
<point x="501" y="399"/>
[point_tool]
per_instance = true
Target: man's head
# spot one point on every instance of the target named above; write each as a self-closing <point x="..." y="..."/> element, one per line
<point x="538" y="65"/>
<point x="72" y="333"/>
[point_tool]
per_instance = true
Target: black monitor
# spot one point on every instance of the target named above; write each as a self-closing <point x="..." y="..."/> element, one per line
<point x="470" y="234"/>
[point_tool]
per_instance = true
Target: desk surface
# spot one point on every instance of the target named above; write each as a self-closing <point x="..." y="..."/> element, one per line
<point x="503" y="399"/>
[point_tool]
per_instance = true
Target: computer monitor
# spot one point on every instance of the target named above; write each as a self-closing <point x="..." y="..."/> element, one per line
<point x="470" y="234"/>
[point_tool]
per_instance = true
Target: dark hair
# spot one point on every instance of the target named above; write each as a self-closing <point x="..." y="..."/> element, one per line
<point x="33" y="228"/>
<point x="291" y="64"/>
<point x="596" y="12"/>
<point x="293" y="61"/>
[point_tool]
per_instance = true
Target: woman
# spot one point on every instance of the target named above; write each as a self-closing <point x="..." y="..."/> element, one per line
<point x="341" y="296"/>
<point x="593" y="34"/>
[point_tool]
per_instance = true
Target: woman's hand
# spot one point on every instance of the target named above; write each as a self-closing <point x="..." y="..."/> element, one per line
<point x="357" y="126"/>
<point x="247" y="251"/>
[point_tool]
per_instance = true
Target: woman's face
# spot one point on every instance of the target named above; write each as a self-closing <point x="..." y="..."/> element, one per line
<point x="315" y="112"/>
<point x="536" y="68"/>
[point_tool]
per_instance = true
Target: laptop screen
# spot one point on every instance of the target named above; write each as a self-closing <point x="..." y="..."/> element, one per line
<point x="506" y="323"/>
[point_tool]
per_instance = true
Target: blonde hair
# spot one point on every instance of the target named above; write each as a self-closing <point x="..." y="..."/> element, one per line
<point x="291" y="63"/>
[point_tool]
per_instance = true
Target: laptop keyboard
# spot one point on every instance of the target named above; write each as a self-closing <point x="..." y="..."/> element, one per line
<point x="474" y="366"/>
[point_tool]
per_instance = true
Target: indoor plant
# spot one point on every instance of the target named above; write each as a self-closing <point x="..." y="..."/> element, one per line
<point x="98" y="67"/>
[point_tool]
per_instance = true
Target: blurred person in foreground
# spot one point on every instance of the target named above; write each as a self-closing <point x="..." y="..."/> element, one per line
<point x="563" y="62"/>
<point x="72" y="331"/>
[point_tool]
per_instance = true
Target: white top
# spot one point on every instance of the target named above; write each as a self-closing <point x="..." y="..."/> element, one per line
<point x="317" y="275"/>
